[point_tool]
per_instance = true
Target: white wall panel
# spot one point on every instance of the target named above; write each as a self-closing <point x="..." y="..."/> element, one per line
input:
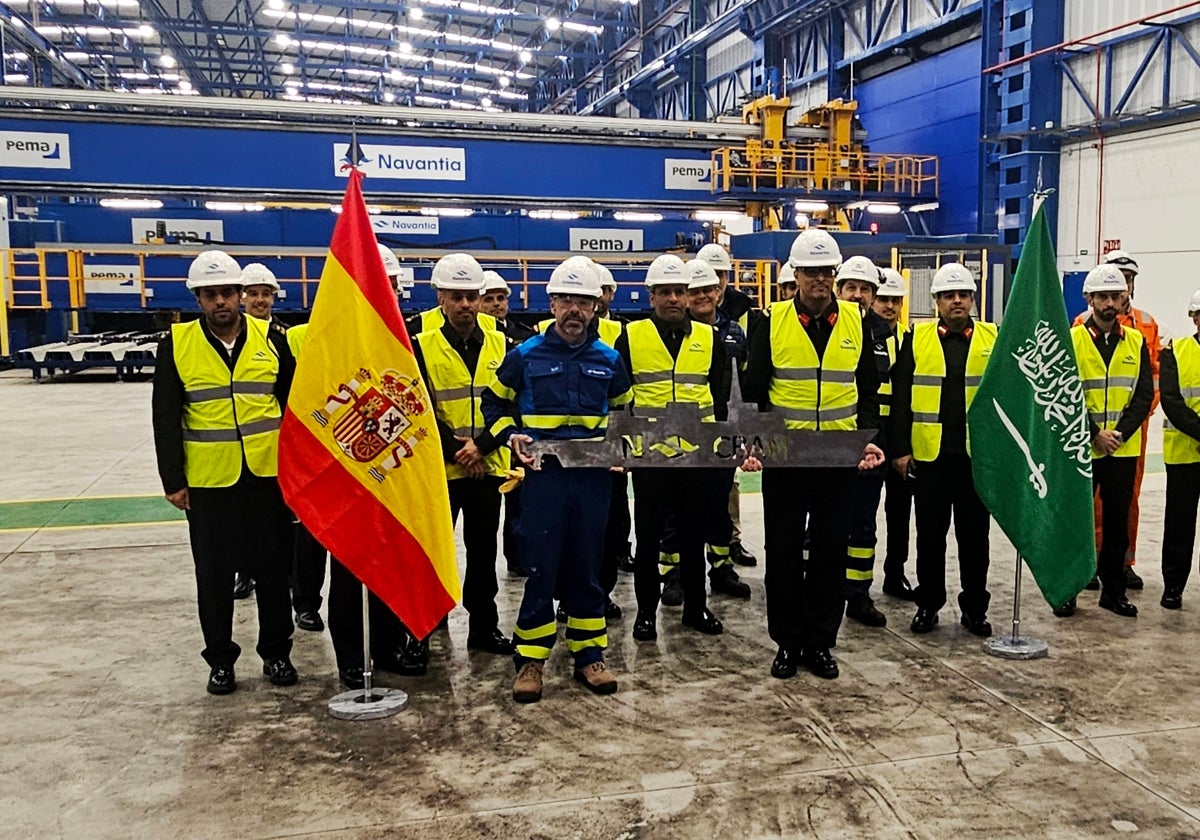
<point x="1150" y="201"/>
<point x="1083" y="17"/>
<point x="728" y="53"/>
<point x="809" y="96"/>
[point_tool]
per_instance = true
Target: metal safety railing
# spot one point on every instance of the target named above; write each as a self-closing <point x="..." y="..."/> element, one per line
<point x="811" y="169"/>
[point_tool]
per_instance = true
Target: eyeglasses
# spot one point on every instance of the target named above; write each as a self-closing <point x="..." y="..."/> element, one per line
<point x="575" y="301"/>
<point x="813" y="272"/>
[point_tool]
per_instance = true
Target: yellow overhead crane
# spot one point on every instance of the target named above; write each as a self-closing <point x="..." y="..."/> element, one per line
<point x="821" y="156"/>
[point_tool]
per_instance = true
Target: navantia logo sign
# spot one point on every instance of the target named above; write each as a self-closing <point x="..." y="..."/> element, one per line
<point x="605" y="240"/>
<point x="408" y="225"/>
<point x="687" y="174"/>
<point x="35" y="150"/>
<point x="411" y="163"/>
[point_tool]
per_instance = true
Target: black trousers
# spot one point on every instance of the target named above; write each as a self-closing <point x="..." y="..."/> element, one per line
<point x="1114" y="478"/>
<point x="944" y="490"/>
<point x="1179" y="525"/>
<point x="806" y="597"/>
<point x="308" y="571"/>
<point x="245" y="527"/>
<point x="616" y="532"/>
<point x="657" y="495"/>
<point x="897" y="510"/>
<point x="345" y="620"/>
<point x="478" y="499"/>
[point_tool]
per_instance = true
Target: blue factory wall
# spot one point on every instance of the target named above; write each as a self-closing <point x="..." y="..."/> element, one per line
<point x="932" y="107"/>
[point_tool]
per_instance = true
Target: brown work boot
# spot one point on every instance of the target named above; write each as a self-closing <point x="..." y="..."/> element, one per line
<point x="528" y="686"/>
<point x="597" y="678"/>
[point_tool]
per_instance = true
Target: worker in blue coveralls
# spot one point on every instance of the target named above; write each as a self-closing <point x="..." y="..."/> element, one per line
<point x="560" y="386"/>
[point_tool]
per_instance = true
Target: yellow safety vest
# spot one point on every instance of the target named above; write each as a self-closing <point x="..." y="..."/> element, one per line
<point x="295" y="338"/>
<point x="658" y="379"/>
<point x="457" y="391"/>
<point x="929" y="371"/>
<point x="811" y="392"/>
<point x="609" y="329"/>
<point x="227" y="416"/>
<point x="1179" y="448"/>
<point x="885" y="384"/>
<point x="1107" y="390"/>
<point x="433" y="319"/>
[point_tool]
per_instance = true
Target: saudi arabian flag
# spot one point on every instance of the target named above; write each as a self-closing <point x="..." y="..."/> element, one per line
<point x="1030" y="439"/>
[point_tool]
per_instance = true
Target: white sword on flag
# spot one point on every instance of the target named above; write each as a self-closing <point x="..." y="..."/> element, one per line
<point x="1037" y="472"/>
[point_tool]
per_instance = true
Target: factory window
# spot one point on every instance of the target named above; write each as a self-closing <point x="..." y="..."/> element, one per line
<point x="1017" y="21"/>
<point x="1016" y="113"/>
<point x="1016" y="51"/>
<point x="1016" y="83"/>
<point x="1013" y="176"/>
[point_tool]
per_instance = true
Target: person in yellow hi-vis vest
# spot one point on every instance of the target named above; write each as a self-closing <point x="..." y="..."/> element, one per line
<point x="220" y="384"/>
<point x="1179" y="387"/>
<point x="897" y="503"/>
<point x="934" y="380"/>
<point x="671" y="358"/>
<point x="1118" y="389"/>
<point x="458" y="361"/>
<point x="811" y="363"/>
<point x="435" y="318"/>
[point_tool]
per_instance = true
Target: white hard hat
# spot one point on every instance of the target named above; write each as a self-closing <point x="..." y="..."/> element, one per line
<point x="214" y="268"/>
<point x="953" y="277"/>
<point x="813" y="248"/>
<point x="667" y="270"/>
<point x="1121" y="259"/>
<point x="1194" y="303"/>
<point x="493" y="282"/>
<point x="859" y="268"/>
<point x="575" y="276"/>
<point x="458" y="271"/>
<point x="391" y="265"/>
<point x="257" y="274"/>
<point x="701" y="274"/>
<point x="893" y="284"/>
<point x="717" y="256"/>
<point x="607" y="280"/>
<point x="1104" y="278"/>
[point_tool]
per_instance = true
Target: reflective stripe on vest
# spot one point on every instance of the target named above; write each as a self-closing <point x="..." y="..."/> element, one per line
<point x="1179" y="448"/>
<point x="295" y="338"/>
<point x="457" y="391"/>
<point x="1108" y="390"/>
<point x="885" y="382"/>
<point x="227" y="416"/>
<point x="929" y="372"/>
<point x="608" y="329"/>
<point x="814" y="393"/>
<point x="433" y="319"/>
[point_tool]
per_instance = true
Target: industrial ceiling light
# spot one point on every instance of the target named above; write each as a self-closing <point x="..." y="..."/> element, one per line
<point x="287" y="68"/>
<point x="283" y="39"/>
<point x="803" y="206"/>
<point x="416" y="14"/>
<point x="632" y="216"/>
<point x="185" y="86"/>
<point x="486" y="102"/>
<point x="388" y="96"/>
<point x="233" y="207"/>
<point x="131" y="203"/>
<point x="405" y="47"/>
<point x="924" y="208"/>
<point x="275" y="4"/>
<point x="553" y="24"/>
<point x="556" y="215"/>
<point x="449" y="212"/>
<point x="167" y="60"/>
<point x="526" y="56"/>
<point x="580" y="27"/>
<point x="504" y="82"/>
<point x="718" y="215"/>
<point x="883" y="209"/>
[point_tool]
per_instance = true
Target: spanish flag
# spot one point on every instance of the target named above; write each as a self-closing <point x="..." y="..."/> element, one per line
<point x="359" y="457"/>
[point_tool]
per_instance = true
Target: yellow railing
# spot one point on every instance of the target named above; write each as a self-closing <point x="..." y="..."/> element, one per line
<point x="807" y="170"/>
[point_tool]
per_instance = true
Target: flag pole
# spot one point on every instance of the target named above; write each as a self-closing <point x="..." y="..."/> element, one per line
<point x="367" y="703"/>
<point x="1015" y="647"/>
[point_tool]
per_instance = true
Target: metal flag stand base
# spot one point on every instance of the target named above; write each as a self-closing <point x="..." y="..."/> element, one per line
<point x="1015" y="647"/>
<point x="367" y="703"/>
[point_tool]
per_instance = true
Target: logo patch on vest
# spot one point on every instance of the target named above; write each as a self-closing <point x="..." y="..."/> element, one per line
<point x="373" y="417"/>
<point x="847" y="343"/>
<point x="261" y="355"/>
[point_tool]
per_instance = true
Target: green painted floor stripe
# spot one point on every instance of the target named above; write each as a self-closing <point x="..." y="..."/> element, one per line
<point x="73" y="513"/>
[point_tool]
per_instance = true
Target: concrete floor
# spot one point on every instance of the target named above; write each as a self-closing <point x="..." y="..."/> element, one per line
<point x="107" y="730"/>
